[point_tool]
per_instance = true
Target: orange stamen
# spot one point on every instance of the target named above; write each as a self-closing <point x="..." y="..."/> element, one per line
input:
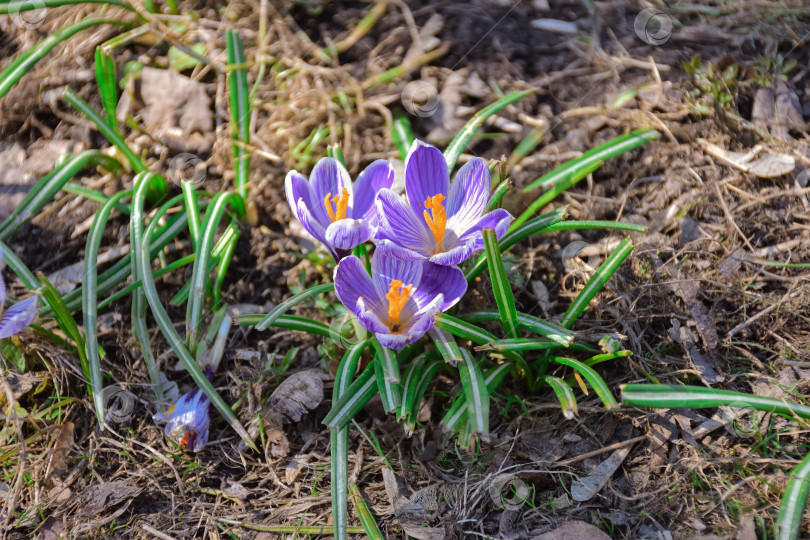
<point x="188" y="439"/>
<point x="437" y="218"/>
<point x="397" y="298"/>
<point x="341" y="205"/>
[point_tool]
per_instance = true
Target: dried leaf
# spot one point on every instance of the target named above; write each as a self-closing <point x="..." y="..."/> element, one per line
<point x="103" y="496"/>
<point x="584" y="489"/>
<point x="52" y="529"/>
<point x="706" y="364"/>
<point x="409" y="513"/>
<point x="776" y="110"/>
<point x="570" y="530"/>
<point x="294" y="469"/>
<point x="175" y="109"/>
<point x="63" y="440"/>
<point x="298" y="394"/>
<point x="757" y="161"/>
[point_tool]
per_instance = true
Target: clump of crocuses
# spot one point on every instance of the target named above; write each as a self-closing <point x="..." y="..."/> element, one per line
<point x="16" y="318"/>
<point x="419" y="238"/>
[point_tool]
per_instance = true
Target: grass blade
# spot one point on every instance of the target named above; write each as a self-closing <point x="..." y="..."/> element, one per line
<point x="580" y="225"/>
<point x="520" y="345"/>
<point x="794" y="501"/>
<point x="119" y="272"/>
<point x="13" y="7"/>
<point x="475" y="393"/>
<point x="139" y="304"/>
<point x="498" y="194"/>
<point x="402" y="133"/>
<point x="219" y="249"/>
<point x="224" y="263"/>
<point x="90" y="301"/>
<point x="537" y="225"/>
<point x="534" y="324"/>
<point x="597" y="281"/>
<point x="23" y="273"/>
<point x="565" y="395"/>
<point x="284" y="306"/>
<point x="370" y="526"/>
<point x="109" y="133"/>
<point x="193" y="211"/>
<point x="353" y="399"/>
<point x="108" y="90"/>
<point x="340" y="443"/>
<point x="240" y="110"/>
<point x="26" y="61"/>
<point x="463" y="329"/>
<point x="456" y="417"/>
<point x="162" y="318"/>
<point x="199" y="275"/>
<point x="603" y="152"/>
<point x="594" y="379"/>
<point x="500" y="286"/>
<point x="289" y="322"/>
<point x="386" y="368"/>
<point x="49" y="185"/>
<point x="446" y="345"/>
<point x="664" y="396"/>
<point x="463" y="138"/>
<point x="567" y="182"/>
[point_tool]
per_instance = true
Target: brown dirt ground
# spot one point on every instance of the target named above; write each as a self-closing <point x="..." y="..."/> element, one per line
<point x="690" y="295"/>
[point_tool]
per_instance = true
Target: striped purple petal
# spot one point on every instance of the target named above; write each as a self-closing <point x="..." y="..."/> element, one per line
<point x="425" y="175"/>
<point x="378" y="175"/>
<point x="499" y="220"/>
<point x="310" y="224"/>
<point x="296" y="188"/>
<point x="391" y="249"/>
<point x="386" y="269"/>
<point x="328" y="177"/>
<point x="456" y="255"/>
<point x="400" y="225"/>
<point x="16" y="318"/>
<point x="353" y="282"/>
<point x="188" y="421"/>
<point x="369" y="319"/>
<point x="469" y="195"/>
<point x="447" y="281"/>
<point x="348" y="233"/>
<point x="394" y="341"/>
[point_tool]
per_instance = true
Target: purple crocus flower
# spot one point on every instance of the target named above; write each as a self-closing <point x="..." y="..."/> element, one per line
<point x="439" y="221"/>
<point x="338" y="213"/>
<point x="400" y="299"/>
<point x="17" y="317"/>
<point x="187" y="420"/>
